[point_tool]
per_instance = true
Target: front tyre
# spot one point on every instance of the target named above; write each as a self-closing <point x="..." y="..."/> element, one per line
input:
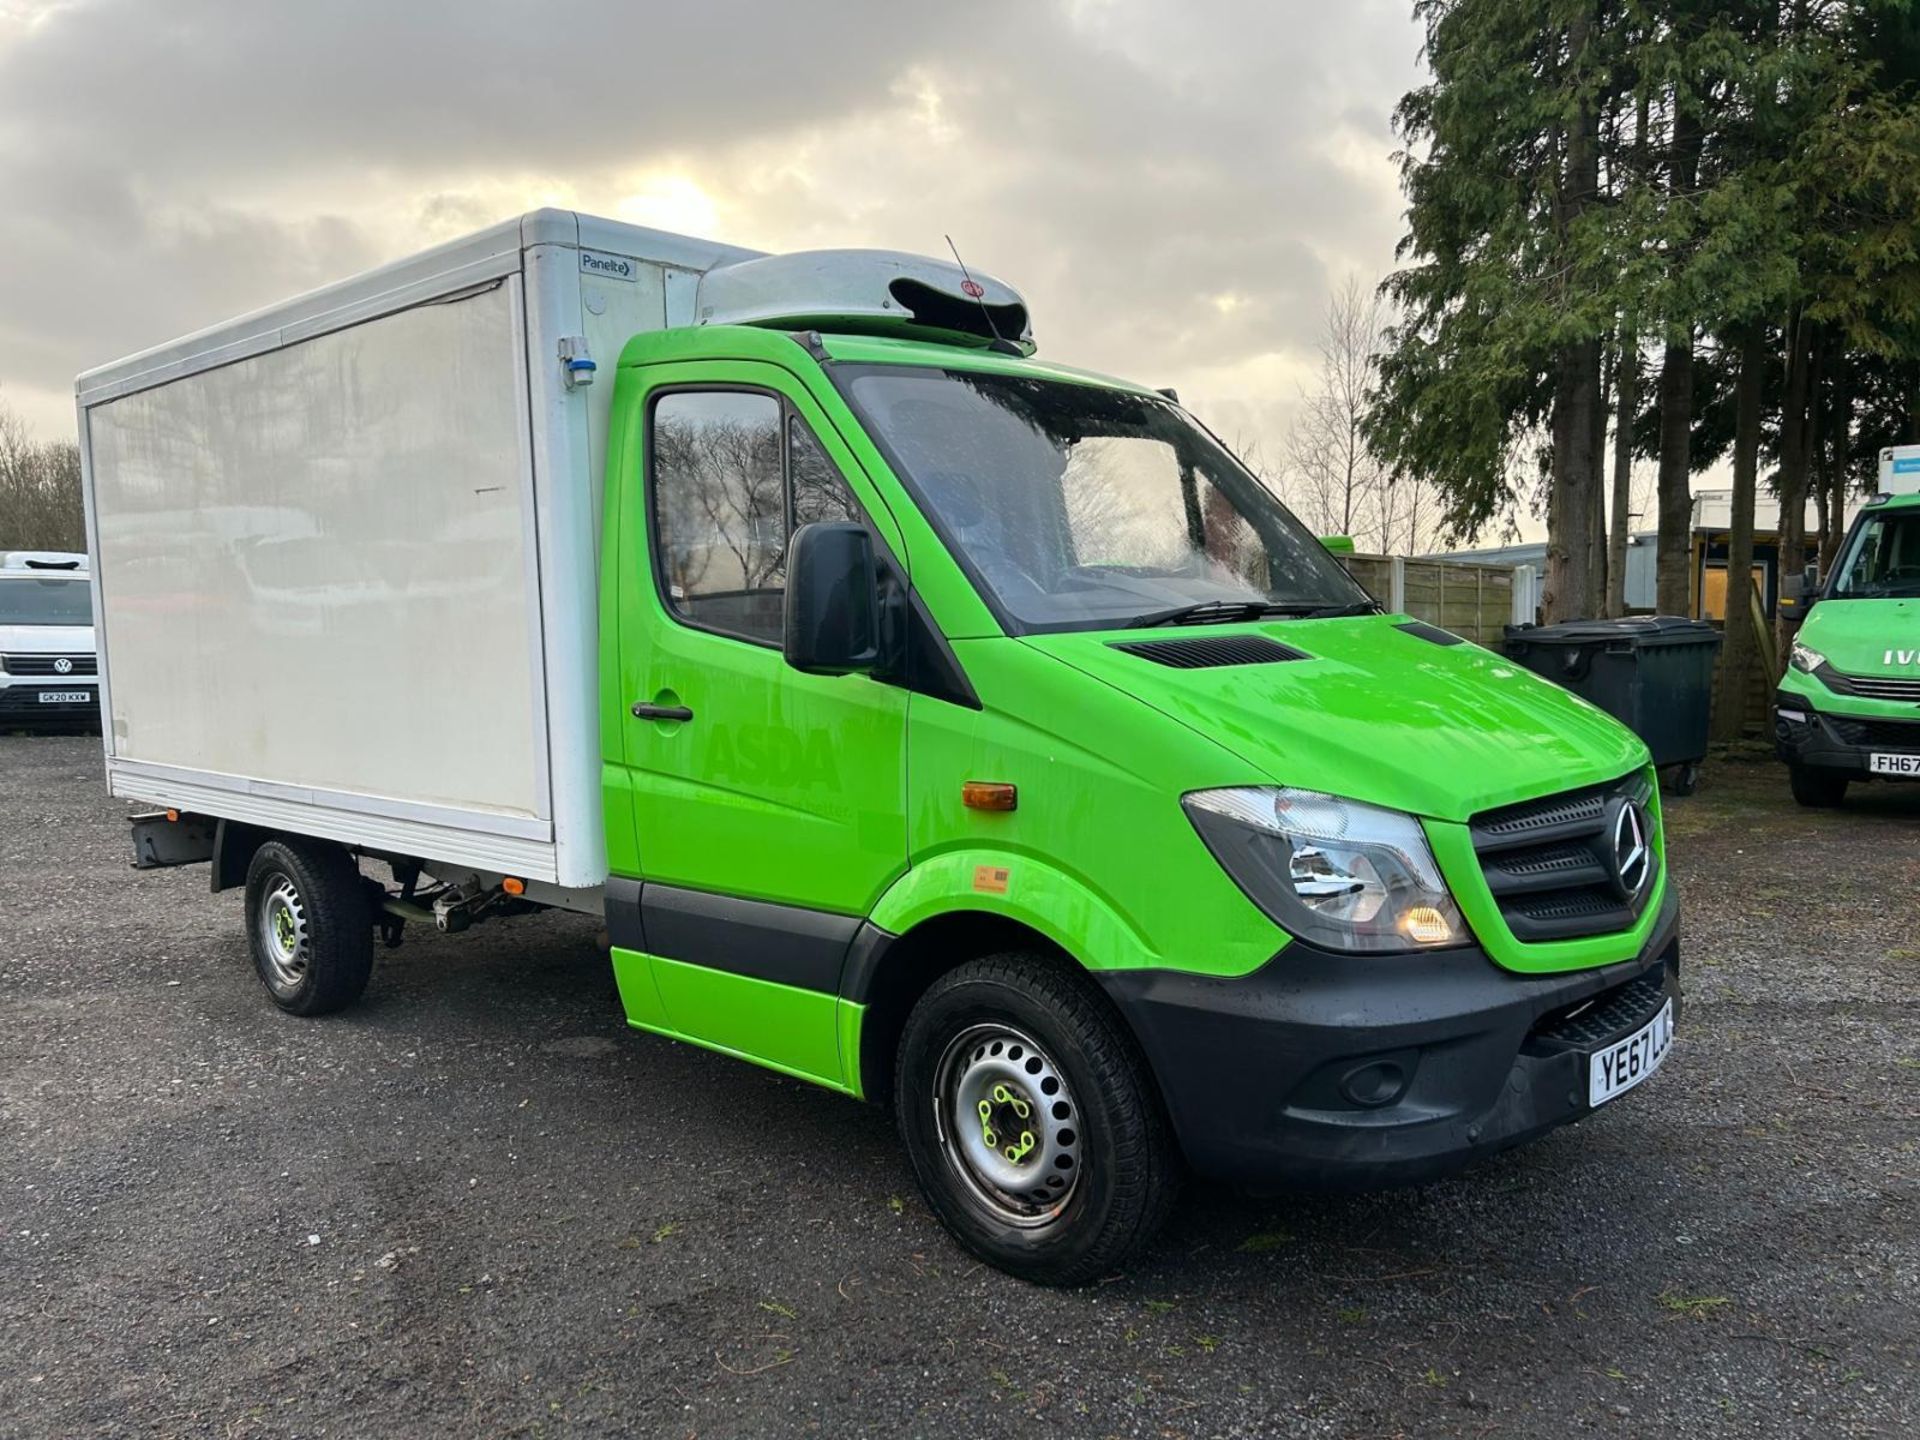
<point x="309" y="925"/>
<point x="1817" y="788"/>
<point x="1032" y="1122"/>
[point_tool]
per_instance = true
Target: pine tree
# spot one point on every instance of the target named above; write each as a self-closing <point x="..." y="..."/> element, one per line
<point x="1733" y="183"/>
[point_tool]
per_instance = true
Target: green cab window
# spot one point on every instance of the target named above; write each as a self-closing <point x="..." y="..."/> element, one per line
<point x="735" y="472"/>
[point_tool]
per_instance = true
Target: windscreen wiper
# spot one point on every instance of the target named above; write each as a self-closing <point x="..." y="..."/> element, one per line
<point x="1331" y="612"/>
<point x="1207" y="612"/>
<point x="1227" y="612"/>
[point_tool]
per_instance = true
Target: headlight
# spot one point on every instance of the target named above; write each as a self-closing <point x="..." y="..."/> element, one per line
<point x="1333" y="872"/>
<point x="1805" y="657"/>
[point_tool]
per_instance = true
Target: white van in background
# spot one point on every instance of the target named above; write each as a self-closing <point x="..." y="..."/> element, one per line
<point x="48" y="667"/>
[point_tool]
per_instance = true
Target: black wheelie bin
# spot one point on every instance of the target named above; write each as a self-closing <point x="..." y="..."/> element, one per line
<point x="1653" y="673"/>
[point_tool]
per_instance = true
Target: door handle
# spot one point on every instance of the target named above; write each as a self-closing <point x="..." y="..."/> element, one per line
<point x="644" y="711"/>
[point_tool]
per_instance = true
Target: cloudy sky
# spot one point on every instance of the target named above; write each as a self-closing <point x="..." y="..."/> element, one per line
<point x="1176" y="188"/>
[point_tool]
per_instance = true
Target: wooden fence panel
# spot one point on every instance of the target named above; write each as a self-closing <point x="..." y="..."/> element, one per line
<point x="1474" y="601"/>
<point x="1374" y="572"/>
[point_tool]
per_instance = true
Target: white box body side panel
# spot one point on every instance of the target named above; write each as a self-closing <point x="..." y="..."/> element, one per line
<point x="314" y="567"/>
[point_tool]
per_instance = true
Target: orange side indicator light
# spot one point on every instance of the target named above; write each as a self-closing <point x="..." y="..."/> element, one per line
<point x="173" y="815"/>
<point x="989" y="795"/>
<point x="514" y="886"/>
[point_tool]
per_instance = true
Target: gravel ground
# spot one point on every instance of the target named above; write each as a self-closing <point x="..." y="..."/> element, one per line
<point x="478" y="1205"/>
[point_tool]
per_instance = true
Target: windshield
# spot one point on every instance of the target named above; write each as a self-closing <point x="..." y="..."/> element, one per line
<point x="40" y="600"/>
<point x="1882" y="560"/>
<point x="1077" y="507"/>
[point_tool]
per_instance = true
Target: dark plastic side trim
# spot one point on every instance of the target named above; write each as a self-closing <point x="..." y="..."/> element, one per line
<point x="786" y="944"/>
<point x="622" y="903"/>
<point x="865" y="956"/>
<point x="933" y="669"/>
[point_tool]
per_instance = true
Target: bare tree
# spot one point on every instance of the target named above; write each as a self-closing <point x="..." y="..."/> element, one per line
<point x="1334" y="481"/>
<point x="40" y="506"/>
<point x="1408" y="514"/>
<point x="1335" y="478"/>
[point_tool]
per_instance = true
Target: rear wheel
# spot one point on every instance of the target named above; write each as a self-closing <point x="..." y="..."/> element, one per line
<point x="309" y="925"/>
<point x="1817" y="788"/>
<point x="1031" y="1120"/>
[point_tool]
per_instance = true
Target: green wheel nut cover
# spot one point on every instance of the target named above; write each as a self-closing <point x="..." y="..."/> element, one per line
<point x="1002" y="1095"/>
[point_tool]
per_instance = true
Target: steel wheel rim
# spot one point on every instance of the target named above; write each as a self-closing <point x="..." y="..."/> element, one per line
<point x="1014" y="1169"/>
<point x="283" y="934"/>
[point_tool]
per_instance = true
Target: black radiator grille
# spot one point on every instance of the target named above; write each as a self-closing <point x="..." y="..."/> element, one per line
<point x="47" y="664"/>
<point x="1870" y="687"/>
<point x="1551" y="863"/>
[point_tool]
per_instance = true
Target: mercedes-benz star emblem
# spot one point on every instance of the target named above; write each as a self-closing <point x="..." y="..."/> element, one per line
<point x="63" y="666"/>
<point x="1632" y="859"/>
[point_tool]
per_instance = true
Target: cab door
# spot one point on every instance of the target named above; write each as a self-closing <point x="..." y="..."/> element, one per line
<point x="769" y="806"/>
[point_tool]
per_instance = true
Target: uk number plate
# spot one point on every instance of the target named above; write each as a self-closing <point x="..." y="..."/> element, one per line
<point x="1618" y="1068"/>
<point x="65" y="697"/>
<point x="1894" y="764"/>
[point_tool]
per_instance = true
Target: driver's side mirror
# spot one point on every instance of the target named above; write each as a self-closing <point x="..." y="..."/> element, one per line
<point x="1798" y="591"/>
<point x="833" y="600"/>
<point x="1337" y="544"/>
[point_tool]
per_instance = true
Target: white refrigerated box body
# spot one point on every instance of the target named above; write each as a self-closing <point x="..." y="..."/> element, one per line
<point x="344" y="550"/>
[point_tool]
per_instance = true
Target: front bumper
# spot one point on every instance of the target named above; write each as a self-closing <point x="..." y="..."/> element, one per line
<point x="20" y="703"/>
<point x="1325" y="1071"/>
<point x="1839" y="744"/>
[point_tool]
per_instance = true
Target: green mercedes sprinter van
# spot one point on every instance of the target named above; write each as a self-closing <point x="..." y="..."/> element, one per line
<point x="1066" y="794"/>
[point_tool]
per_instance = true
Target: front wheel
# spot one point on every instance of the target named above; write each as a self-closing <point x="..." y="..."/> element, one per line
<point x="1817" y="788"/>
<point x="309" y="925"/>
<point x="1032" y="1122"/>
